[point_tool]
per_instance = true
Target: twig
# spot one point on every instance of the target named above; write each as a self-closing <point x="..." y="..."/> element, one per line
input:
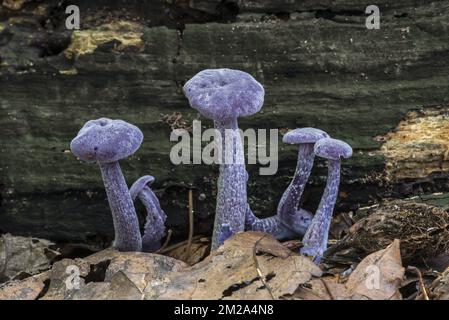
<point x="259" y="272"/>
<point x="421" y="282"/>
<point x="167" y="240"/>
<point x="189" y="241"/>
<point x="326" y="286"/>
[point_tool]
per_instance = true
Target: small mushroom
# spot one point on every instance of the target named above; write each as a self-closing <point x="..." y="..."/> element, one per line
<point x="107" y="141"/>
<point x="224" y="95"/>
<point x="292" y="221"/>
<point x="315" y="239"/>
<point x="288" y="210"/>
<point x="154" y="229"/>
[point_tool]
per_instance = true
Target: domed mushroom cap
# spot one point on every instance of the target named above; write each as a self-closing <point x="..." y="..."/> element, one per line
<point x="139" y="185"/>
<point x="304" y="135"/>
<point x="332" y="149"/>
<point x="222" y="94"/>
<point x="106" y="140"/>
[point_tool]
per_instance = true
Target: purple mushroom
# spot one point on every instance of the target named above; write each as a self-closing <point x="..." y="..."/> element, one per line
<point x="291" y="220"/>
<point x="107" y="141"/>
<point x="226" y="232"/>
<point x="154" y="229"/>
<point x="288" y="210"/>
<point x="315" y="239"/>
<point x="276" y="227"/>
<point x="223" y="95"/>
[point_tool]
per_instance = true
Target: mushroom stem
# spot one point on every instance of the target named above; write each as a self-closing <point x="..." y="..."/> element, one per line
<point x="270" y="225"/>
<point x="315" y="239"/>
<point x="126" y="225"/>
<point x="276" y="227"/>
<point x="231" y="195"/>
<point x="226" y="232"/>
<point x="290" y="220"/>
<point x="154" y="229"/>
<point x="288" y="205"/>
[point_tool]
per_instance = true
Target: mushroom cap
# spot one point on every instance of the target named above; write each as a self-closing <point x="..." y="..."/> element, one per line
<point x="106" y="140"/>
<point x="223" y="94"/>
<point x="304" y="135"/>
<point x="332" y="149"/>
<point x="139" y="184"/>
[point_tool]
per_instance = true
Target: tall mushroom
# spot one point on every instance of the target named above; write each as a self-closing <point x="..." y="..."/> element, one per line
<point x="107" y="141"/>
<point x="315" y="239"/>
<point x="154" y="229"/>
<point x="223" y="95"/>
<point x="290" y="219"/>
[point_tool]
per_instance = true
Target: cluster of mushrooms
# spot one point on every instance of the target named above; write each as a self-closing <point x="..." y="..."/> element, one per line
<point x="222" y="95"/>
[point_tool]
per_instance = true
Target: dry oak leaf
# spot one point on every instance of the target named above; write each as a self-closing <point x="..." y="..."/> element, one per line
<point x="231" y="272"/>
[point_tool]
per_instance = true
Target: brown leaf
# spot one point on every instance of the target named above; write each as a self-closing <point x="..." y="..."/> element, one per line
<point x="231" y="272"/>
<point x="28" y="289"/>
<point x="110" y="275"/>
<point x="379" y="275"/>
<point x="440" y="287"/>
<point x="250" y="265"/>
<point x="24" y="256"/>
<point x="326" y="288"/>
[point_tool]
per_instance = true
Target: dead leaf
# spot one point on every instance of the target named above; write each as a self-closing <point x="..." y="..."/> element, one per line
<point x="250" y="265"/>
<point x="28" y="289"/>
<point x="24" y="256"/>
<point x="439" y="289"/>
<point x="110" y="275"/>
<point x="379" y="275"/>
<point x="230" y="272"/>
<point x="326" y="288"/>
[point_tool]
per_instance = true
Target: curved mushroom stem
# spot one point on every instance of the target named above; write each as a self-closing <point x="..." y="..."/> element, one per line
<point x="274" y="226"/>
<point x="288" y="205"/>
<point x="290" y="220"/>
<point x="269" y="225"/>
<point x="231" y="195"/>
<point x="154" y="229"/>
<point x="126" y="225"/>
<point x="315" y="239"/>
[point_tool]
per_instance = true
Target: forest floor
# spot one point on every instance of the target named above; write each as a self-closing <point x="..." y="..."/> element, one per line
<point x="394" y="250"/>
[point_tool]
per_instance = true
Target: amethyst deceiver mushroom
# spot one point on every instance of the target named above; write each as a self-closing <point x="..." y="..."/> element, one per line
<point x="224" y="95"/>
<point x="288" y="210"/>
<point x="291" y="220"/>
<point x="276" y="227"/>
<point x="154" y="229"/>
<point x="107" y="141"/>
<point x="315" y="239"/>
